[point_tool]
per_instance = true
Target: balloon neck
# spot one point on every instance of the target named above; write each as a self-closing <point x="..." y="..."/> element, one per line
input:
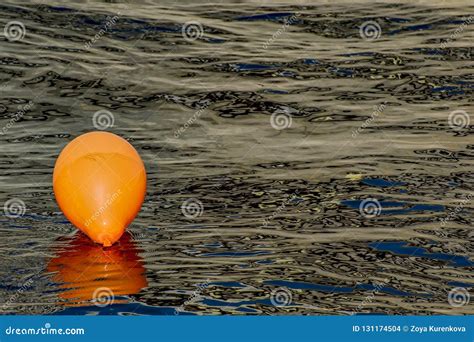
<point x="108" y="239"/>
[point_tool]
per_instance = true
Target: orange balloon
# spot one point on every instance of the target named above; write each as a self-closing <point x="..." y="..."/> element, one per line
<point x="99" y="182"/>
<point x="87" y="271"/>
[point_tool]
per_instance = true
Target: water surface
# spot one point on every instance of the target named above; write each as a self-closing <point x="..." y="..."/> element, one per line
<point x="274" y="124"/>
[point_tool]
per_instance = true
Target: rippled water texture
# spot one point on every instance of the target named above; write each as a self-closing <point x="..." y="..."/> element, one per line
<point x="274" y="125"/>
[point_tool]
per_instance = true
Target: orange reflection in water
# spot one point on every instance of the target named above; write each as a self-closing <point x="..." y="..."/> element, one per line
<point x="87" y="271"/>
